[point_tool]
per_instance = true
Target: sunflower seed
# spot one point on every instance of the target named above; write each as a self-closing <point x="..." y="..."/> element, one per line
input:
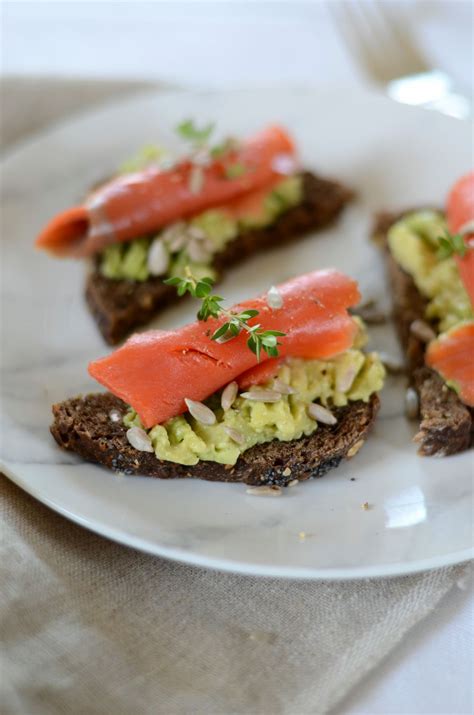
<point x="283" y="388"/>
<point x="175" y="236"/>
<point x="274" y="298"/>
<point x="229" y="393"/>
<point x="196" y="232"/>
<point x="321" y="414"/>
<point x="139" y="439"/>
<point x="262" y="395"/>
<point x="265" y="491"/>
<point x="422" y="331"/>
<point x="198" y="251"/>
<point x="344" y="381"/>
<point x="178" y="242"/>
<point x="412" y="403"/>
<point x="235" y="435"/>
<point x="196" y="180"/>
<point x="158" y="258"/>
<point x="200" y="412"/>
<point x="293" y="482"/>
<point x="115" y="416"/>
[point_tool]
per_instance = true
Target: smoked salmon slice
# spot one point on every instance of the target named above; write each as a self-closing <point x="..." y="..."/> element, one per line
<point x="155" y="371"/>
<point x="133" y="205"/>
<point x="251" y="205"/>
<point x="452" y="355"/>
<point x="460" y="215"/>
<point x="259" y="374"/>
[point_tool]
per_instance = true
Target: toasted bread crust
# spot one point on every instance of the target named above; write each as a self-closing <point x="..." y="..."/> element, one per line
<point x="446" y="424"/>
<point x="121" y="306"/>
<point x="83" y="425"/>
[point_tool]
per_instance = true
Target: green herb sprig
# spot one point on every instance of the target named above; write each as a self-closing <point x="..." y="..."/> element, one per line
<point x="190" y="132"/>
<point x="199" y="139"/>
<point x="258" y="339"/>
<point x="450" y="244"/>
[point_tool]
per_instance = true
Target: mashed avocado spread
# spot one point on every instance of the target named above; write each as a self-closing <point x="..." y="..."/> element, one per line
<point x="129" y="261"/>
<point x="351" y="376"/>
<point x="413" y="242"/>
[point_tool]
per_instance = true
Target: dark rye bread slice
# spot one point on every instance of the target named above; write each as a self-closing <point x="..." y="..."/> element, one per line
<point x="121" y="306"/>
<point x="83" y="425"/>
<point x="446" y="424"/>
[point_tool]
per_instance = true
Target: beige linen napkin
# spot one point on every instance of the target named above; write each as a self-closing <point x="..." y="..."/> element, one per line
<point x="90" y="627"/>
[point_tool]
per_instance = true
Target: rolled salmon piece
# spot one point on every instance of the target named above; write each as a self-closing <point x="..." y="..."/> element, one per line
<point x="460" y="215"/>
<point x="259" y="374"/>
<point x="452" y="356"/>
<point x="136" y="204"/>
<point x="155" y="371"/>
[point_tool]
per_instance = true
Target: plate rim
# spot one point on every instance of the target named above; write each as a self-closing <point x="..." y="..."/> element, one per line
<point x="368" y="91"/>
<point x="219" y="564"/>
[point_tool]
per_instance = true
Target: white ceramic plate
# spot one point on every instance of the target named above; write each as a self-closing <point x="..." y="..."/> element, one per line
<point x="395" y="156"/>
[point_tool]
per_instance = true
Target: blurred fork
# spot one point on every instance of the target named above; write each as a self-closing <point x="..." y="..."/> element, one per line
<point x="381" y="43"/>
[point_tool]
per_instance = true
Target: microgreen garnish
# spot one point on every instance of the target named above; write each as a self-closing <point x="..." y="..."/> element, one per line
<point x="234" y="171"/>
<point x="211" y="307"/>
<point x="449" y="244"/>
<point x="189" y="131"/>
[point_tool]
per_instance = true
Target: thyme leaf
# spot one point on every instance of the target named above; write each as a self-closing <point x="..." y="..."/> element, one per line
<point x="258" y="341"/>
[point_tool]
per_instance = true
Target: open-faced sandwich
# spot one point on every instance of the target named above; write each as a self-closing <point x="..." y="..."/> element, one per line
<point x="208" y="211"/>
<point x="430" y="258"/>
<point x="273" y="390"/>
